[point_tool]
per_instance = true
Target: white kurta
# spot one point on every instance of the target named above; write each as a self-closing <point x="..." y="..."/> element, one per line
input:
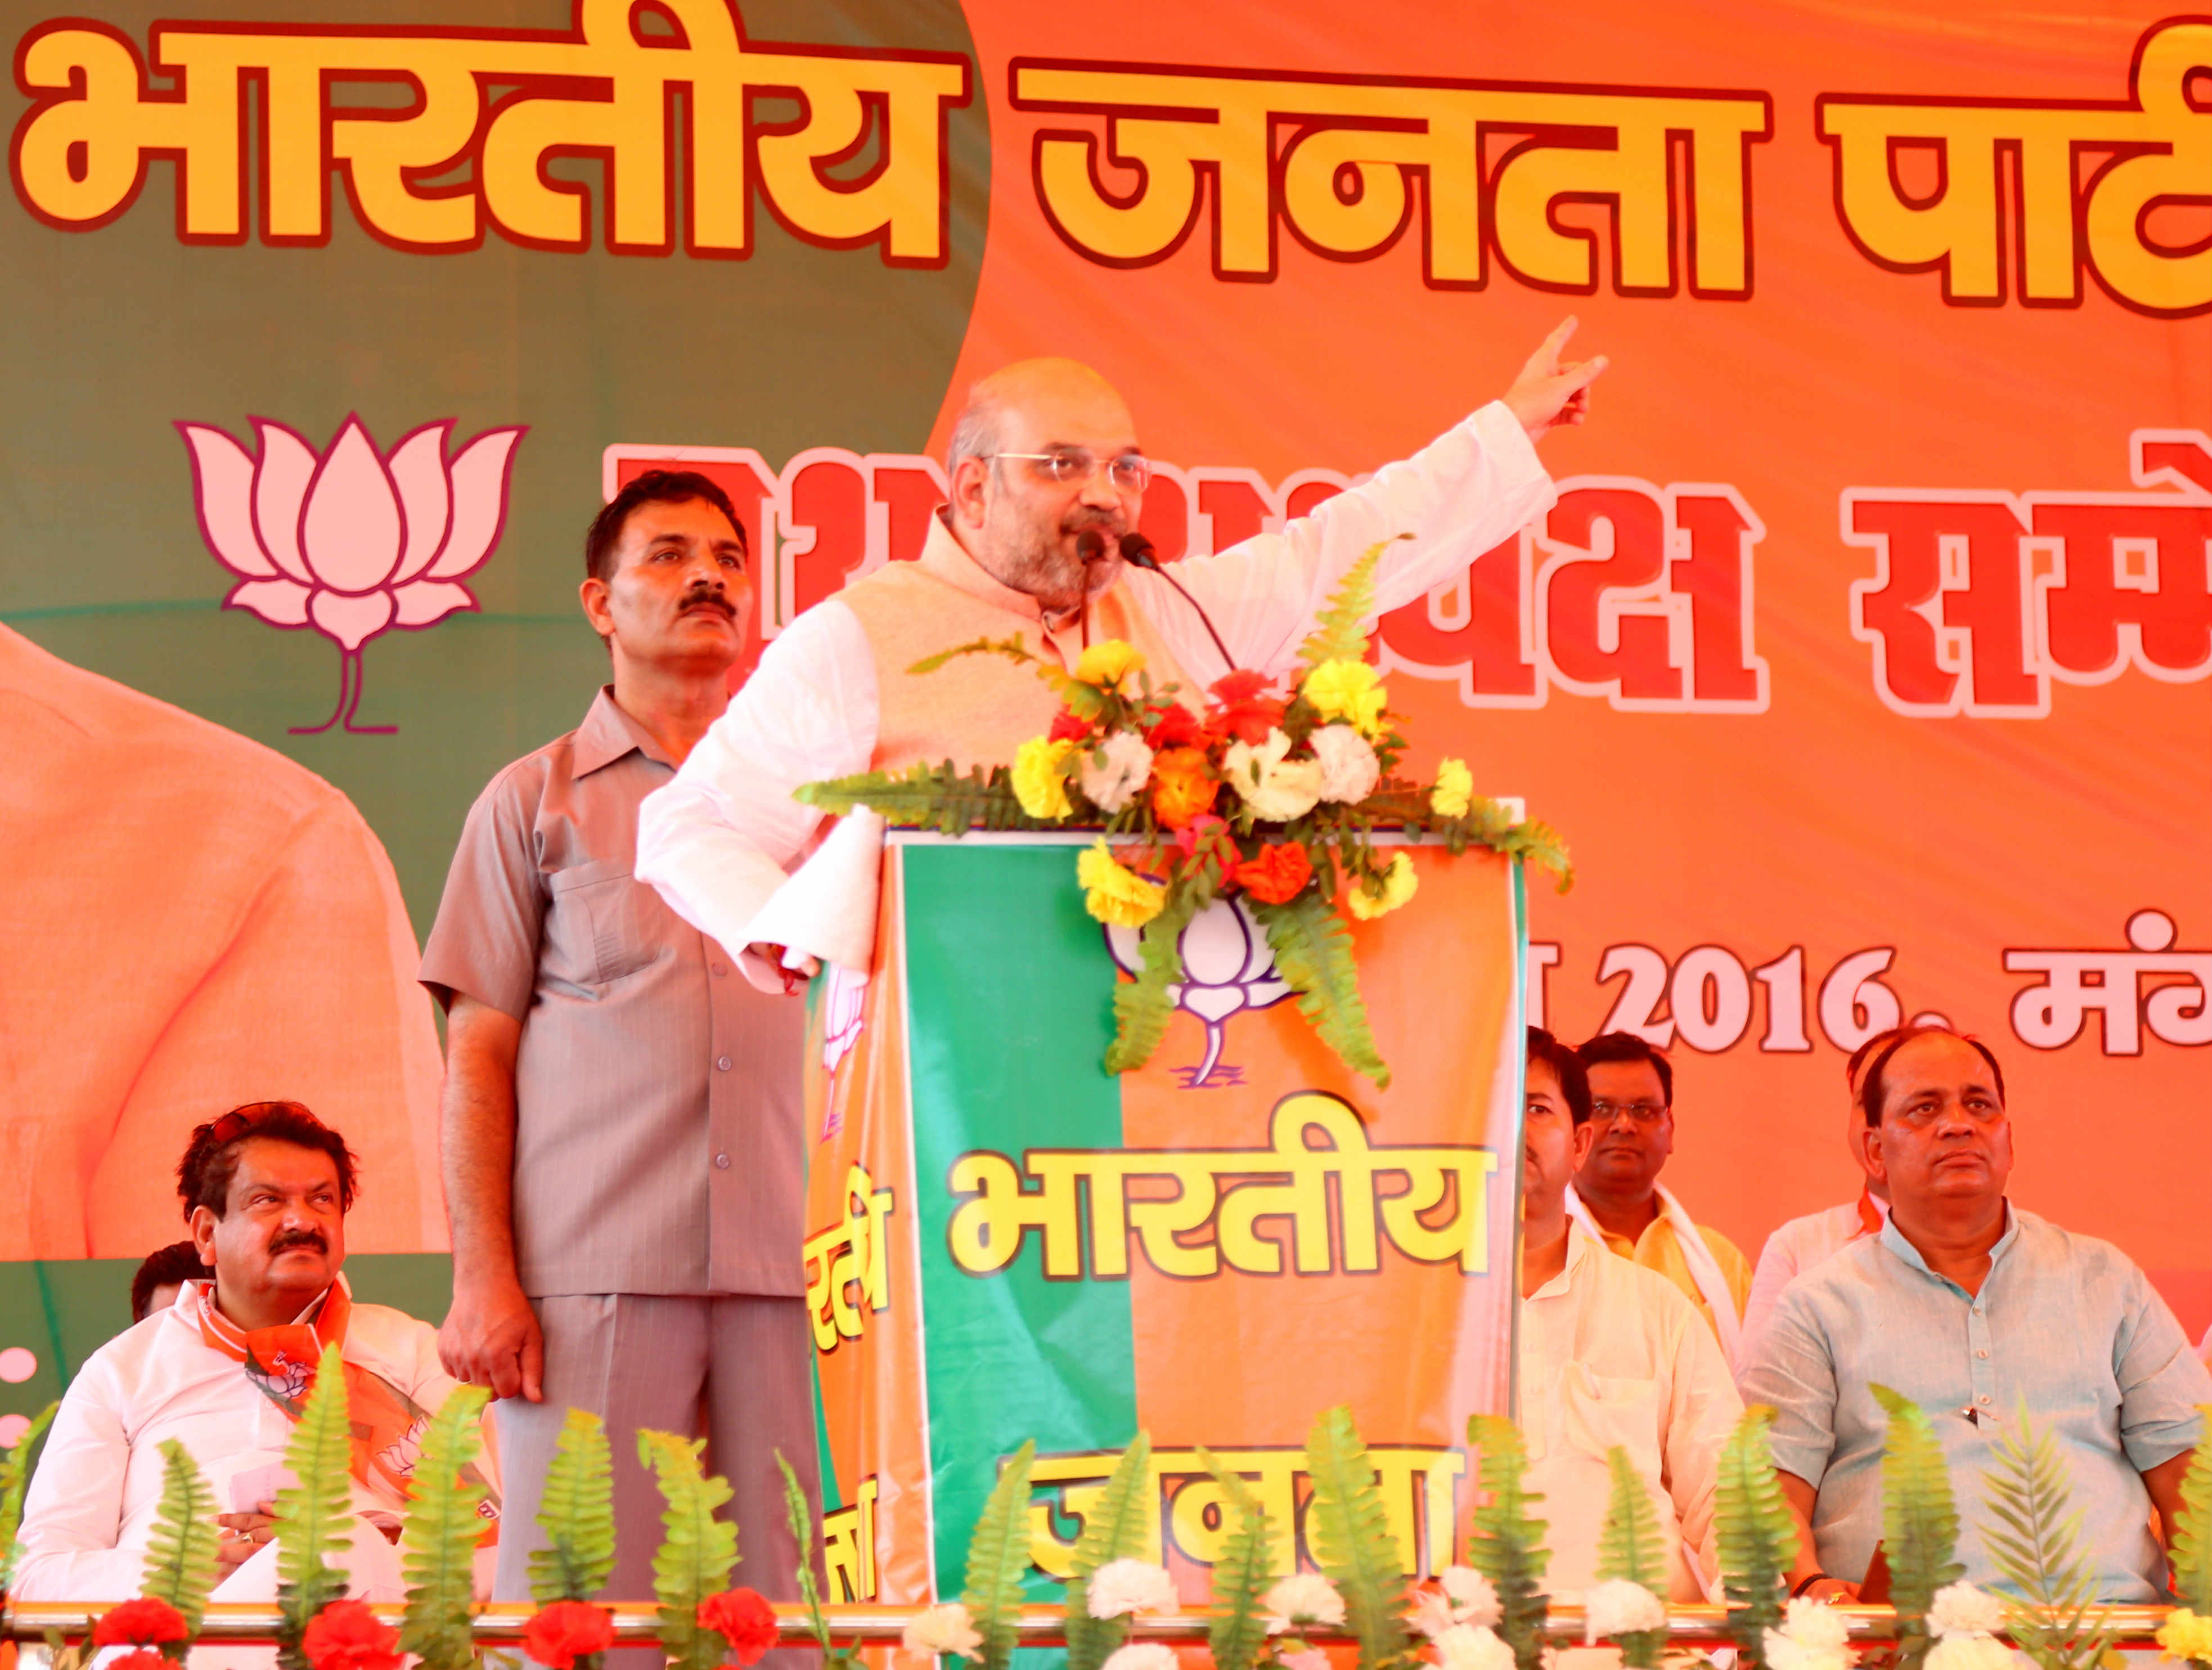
<point x="719" y="839"/>
<point x="90" y="1509"/>
<point x="1613" y="1353"/>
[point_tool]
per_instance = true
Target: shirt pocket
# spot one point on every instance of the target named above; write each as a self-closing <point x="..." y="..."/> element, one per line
<point x="604" y="925"/>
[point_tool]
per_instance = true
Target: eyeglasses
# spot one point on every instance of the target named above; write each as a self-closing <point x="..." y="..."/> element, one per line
<point x="1067" y="466"/>
<point x="1642" y="1113"/>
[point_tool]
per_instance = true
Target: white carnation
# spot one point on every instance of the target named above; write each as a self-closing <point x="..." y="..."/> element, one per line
<point x="946" y="1629"/>
<point x="1617" y="1607"/>
<point x="1471" y="1647"/>
<point x="1349" y="769"/>
<point x="1960" y="1609"/>
<point x="1304" y="1597"/>
<point x="1972" y="1652"/>
<point x="1816" y="1624"/>
<point x="1141" y="1656"/>
<point x="1129" y="762"/>
<point x="1122" y="1587"/>
<point x="1276" y="789"/>
<point x="1474" y="1600"/>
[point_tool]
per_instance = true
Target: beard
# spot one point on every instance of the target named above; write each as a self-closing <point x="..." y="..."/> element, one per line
<point x="1035" y="553"/>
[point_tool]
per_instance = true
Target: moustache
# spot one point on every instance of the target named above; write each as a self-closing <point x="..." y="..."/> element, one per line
<point x="713" y="600"/>
<point x="288" y="1239"/>
<point x="1106" y="522"/>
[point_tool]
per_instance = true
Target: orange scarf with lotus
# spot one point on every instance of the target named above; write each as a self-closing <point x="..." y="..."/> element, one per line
<point x="280" y="1363"/>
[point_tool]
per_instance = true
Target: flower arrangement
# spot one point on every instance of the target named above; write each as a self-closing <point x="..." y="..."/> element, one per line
<point x="1273" y="791"/>
<point x="2187" y="1632"/>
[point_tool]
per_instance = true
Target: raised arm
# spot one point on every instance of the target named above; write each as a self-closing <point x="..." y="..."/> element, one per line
<point x="1475" y="485"/>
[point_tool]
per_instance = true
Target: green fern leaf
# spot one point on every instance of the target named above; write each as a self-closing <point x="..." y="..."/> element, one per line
<point x="1015" y="650"/>
<point x="1313" y="954"/>
<point x="1508" y="1544"/>
<point x="1117" y="1528"/>
<point x="1919" y="1521"/>
<point x="1758" y="1538"/>
<point x="2041" y="1553"/>
<point x="180" y="1550"/>
<point x="998" y="1556"/>
<point x="577" y="1513"/>
<point x="439" y="1542"/>
<point x="2191" y="1549"/>
<point x="939" y="797"/>
<point x="15" y="1480"/>
<point x="1141" y="1008"/>
<point x="804" y="1539"/>
<point x="314" y="1519"/>
<point x="697" y="1550"/>
<point x="1631" y="1549"/>
<point x="1338" y="634"/>
<point x="1243" y="1570"/>
<point x="1349" y="1532"/>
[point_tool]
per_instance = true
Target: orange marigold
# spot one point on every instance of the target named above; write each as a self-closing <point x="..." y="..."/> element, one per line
<point x="1276" y="874"/>
<point x="1183" y="786"/>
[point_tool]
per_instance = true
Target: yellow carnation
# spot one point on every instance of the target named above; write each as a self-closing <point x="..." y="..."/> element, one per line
<point x="1398" y="884"/>
<point x="1107" y="664"/>
<point x="1039" y="783"/>
<point x="1349" y="691"/>
<point x="2185" y="1636"/>
<point x="1454" y="789"/>
<point x="1114" y="895"/>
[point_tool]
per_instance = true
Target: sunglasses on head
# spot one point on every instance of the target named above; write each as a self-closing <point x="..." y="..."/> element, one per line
<point x="240" y="1120"/>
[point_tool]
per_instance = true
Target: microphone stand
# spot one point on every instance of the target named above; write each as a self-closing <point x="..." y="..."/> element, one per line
<point x="1137" y="552"/>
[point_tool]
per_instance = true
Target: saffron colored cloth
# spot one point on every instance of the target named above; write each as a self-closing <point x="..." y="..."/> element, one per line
<point x="1612" y="1353"/>
<point x="91" y="1505"/>
<point x="2065" y="1325"/>
<point x="1661" y="1248"/>
<point x="720" y="840"/>
<point x="657" y="1125"/>
<point x="243" y="934"/>
<point x="1798" y="1245"/>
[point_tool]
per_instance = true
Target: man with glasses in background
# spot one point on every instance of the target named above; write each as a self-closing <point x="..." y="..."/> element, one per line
<point x="1618" y="1199"/>
<point x="1046" y="477"/>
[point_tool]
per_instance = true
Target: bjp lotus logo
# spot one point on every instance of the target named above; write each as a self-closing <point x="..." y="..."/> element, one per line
<point x="1227" y="967"/>
<point x="350" y="541"/>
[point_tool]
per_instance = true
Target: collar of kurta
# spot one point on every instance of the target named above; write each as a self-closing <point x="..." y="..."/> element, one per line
<point x="607" y="734"/>
<point x="944" y="558"/>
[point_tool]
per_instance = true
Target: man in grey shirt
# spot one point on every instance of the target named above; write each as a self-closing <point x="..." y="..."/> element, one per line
<point x="624" y="1162"/>
<point x="1970" y="1306"/>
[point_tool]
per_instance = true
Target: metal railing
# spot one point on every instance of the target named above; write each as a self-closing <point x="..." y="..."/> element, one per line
<point x="1040" y="1626"/>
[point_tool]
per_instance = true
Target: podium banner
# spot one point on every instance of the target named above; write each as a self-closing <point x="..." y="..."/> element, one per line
<point x="1006" y="1242"/>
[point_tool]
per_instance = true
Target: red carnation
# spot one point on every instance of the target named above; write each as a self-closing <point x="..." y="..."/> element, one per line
<point x="1067" y="728"/>
<point x="145" y="1621"/>
<point x="1244" y="707"/>
<point x="564" y="1631"/>
<point x="743" y="1619"/>
<point x="1276" y="874"/>
<point x="1176" y="728"/>
<point x="347" y="1636"/>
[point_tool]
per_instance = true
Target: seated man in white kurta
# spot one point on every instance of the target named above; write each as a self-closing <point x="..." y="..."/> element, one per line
<point x="225" y="1371"/>
<point x="1611" y="1354"/>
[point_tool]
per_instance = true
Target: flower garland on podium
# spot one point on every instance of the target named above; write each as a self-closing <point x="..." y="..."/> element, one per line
<point x="1311" y="776"/>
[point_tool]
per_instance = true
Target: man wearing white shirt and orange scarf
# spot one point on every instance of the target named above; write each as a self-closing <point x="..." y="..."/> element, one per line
<point x="1619" y="1201"/>
<point x="225" y="1371"/>
<point x="1610" y="1353"/>
<point x="1046" y="475"/>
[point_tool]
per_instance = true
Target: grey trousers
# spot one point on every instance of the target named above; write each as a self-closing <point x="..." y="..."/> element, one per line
<point x="737" y="1365"/>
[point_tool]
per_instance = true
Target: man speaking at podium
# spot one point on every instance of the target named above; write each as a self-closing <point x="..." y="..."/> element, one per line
<point x="1047" y="476"/>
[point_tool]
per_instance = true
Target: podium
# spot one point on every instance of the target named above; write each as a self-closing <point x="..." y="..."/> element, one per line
<point x="1007" y="1242"/>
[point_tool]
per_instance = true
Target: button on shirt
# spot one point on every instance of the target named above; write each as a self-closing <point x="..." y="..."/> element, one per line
<point x="2062" y="1321"/>
<point x="657" y="1104"/>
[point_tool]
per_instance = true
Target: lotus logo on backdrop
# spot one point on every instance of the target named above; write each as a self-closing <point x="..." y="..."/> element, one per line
<point x="1227" y="967"/>
<point x="351" y="541"/>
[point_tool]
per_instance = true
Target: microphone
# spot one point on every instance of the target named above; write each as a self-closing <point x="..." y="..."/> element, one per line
<point x="1137" y="552"/>
<point x="1091" y="551"/>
